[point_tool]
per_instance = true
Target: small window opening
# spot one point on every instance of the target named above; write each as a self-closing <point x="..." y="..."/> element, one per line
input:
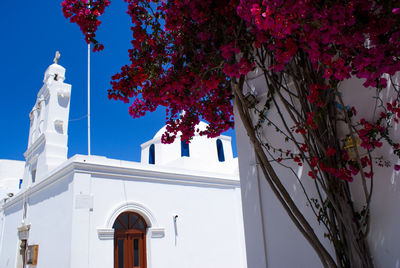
<point x="220" y="149"/>
<point x="33" y="175"/>
<point x="185" y="149"/>
<point x="152" y="159"/>
<point x="20" y="184"/>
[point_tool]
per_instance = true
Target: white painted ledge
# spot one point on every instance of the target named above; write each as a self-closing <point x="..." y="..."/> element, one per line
<point x="105" y="234"/>
<point x="108" y="234"/>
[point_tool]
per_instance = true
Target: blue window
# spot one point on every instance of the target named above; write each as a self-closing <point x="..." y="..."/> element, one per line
<point x="20" y="183"/>
<point x="220" y="149"/>
<point x="152" y="157"/>
<point x="184" y="148"/>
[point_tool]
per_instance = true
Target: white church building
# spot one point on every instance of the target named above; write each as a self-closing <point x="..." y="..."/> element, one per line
<point x="179" y="207"/>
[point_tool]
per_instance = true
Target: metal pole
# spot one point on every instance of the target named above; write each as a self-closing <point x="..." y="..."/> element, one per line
<point x="88" y="99"/>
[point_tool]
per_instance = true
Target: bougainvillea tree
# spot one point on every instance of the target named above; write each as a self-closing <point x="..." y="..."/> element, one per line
<point x="199" y="56"/>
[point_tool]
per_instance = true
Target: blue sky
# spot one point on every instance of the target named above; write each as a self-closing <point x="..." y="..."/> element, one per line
<point x="31" y="33"/>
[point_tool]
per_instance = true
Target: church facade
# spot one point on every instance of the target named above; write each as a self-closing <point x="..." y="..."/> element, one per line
<point x="179" y="207"/>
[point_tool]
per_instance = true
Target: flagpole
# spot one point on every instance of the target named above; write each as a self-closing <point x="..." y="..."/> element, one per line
<point x="88" y="99"/>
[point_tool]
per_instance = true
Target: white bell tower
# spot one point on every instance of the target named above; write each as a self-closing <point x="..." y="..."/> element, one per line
<point x="47" y="144"/>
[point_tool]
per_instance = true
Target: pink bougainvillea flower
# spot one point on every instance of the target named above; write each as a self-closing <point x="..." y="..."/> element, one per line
<point x="330" y="151"/>
<point x="314" y="161"/>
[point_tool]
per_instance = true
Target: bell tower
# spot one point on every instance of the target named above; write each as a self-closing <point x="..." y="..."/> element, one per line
<point x="47" y="144"/>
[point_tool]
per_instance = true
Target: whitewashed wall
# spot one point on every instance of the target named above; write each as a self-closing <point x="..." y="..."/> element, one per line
<point x="11" y="171"/>
<point x="9" y="242"/>
<point x="72" y="211"/>
<point x="208" y="230"/>
<point x="384" y="236"/>
<point x="49" y="213"/>
<point x="272" y="240"/>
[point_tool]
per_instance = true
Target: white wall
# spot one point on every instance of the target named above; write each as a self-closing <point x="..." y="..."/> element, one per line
<point x="49" y="215"/>
<point x="208" y="223"/>
<point x="11" y="171"/>
<point x="384" y="236"/>
<point x="269" y="231"/>
<point x="9" y="243"/>
<point x="209" y="230"/>
<point x="272" y="240"/>
<point x="66" y="210"/>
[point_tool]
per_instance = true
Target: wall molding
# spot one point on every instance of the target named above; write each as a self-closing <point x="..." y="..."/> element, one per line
<point x="154" y="231"/>
<point x="131" y="206"/>
<point x="132" y="171"/>
<point x="105" y="233"/>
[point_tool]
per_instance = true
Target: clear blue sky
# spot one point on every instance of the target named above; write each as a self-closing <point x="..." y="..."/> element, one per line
<point x="31" y="33"/>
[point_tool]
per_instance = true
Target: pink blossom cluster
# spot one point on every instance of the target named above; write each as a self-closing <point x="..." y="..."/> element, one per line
<point x="394" y="109"/>
<point x="185" y="54"/>
<point x="165" y="71"/>
<point x="341" y="38"/>
<point x="369" y="134"/>
<point x="85" y="13"/>
<point x="344" y="173"/>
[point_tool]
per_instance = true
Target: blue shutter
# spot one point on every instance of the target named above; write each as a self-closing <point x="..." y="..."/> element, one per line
<point x="184" y="148"/>
<point x="220" y="149"/>
<point x="152" y="157"/>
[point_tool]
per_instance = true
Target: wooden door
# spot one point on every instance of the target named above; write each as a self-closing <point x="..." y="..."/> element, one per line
<point x="129" y="241"/>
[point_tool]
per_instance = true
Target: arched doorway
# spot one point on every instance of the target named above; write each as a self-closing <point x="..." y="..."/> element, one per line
<point x="130" y="241"/>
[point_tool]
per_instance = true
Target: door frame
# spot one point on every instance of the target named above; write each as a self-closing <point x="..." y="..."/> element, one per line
<point x="128" y="236"/>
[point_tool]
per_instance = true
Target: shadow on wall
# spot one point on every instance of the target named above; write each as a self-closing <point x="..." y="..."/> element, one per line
<point x="13" y="209"/>
<point x="384" y="236"/>
<point x="63" y="100"/>
<point x="52" y="191"/>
